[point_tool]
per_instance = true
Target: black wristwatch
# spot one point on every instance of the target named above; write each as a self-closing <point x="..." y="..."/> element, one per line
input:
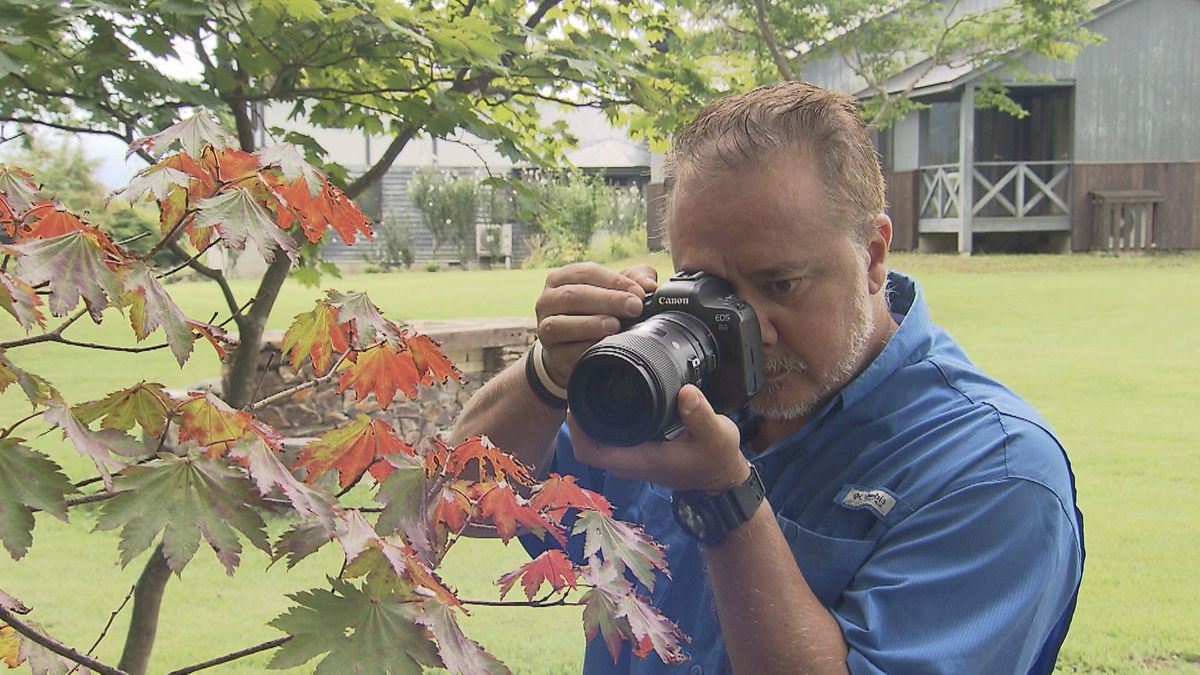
<point x="710" y="518"/>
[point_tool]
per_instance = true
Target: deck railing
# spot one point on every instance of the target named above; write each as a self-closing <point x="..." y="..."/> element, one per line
<point x="1033" y="191"/>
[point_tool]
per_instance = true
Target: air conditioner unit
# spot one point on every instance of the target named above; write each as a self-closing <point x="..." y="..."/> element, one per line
<point x="493" y="241"/>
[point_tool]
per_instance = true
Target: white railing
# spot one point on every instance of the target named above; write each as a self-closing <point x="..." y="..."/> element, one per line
<point x="1000" y="190"/>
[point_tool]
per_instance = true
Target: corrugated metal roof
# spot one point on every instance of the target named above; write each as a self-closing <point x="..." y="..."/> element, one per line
<point x="610" y="153"/>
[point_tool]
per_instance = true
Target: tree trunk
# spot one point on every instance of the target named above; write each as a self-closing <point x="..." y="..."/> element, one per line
<point x="239" y="381"/>
<point x="143" y="626"/>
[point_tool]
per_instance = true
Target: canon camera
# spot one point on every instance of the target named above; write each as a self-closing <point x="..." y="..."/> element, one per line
<point x="692" y="330"/>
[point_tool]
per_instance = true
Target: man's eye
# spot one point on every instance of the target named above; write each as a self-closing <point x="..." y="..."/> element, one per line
<point x="784" y="286"/>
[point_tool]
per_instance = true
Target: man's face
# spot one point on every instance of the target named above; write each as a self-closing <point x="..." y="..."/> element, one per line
<point x="770" y="234"/>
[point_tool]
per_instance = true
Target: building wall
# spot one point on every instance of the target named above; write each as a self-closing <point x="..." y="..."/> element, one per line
<point x="1178" y="217"/>
<point x="1136" y="94"/>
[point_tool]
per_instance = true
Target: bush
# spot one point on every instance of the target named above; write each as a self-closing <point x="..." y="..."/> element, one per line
<point x="449" y="205"/>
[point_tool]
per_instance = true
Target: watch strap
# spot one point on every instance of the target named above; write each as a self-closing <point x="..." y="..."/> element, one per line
<point x="718" y="514"/>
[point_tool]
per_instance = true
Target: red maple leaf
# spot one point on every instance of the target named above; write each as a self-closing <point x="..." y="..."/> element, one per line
<point x="317" y="335"/>
<point x="380" y="370"/>
<point x="351" y="450"/>
<point x="553" y="567"/>
<point x="216" y="336"/>
<point x="453" y="506"/>
<point x="494" y="463"/>
<point x="235" y="165"/>
<point x="558" y="493"/>
<point x="346" y="218"/>
<point x="46" y="221"/>
<point x="508" y="511"/>
<point x="431" y="362"/>
<point x="297" y="203"/>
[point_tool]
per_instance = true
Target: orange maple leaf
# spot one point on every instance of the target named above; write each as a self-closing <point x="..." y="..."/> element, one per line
<point x="553" y="566"/>
<point x="559" y="493"/>
<point x="382" y="370"/>
<point x="235" y="165"/>
<point x="494" y="463"/>
<point x="453" y="506"/>
<point x="431" y="362"/>
<point x="508" y="511"/>
<point x="351" y="449"/>
<point x="210" y="422"/>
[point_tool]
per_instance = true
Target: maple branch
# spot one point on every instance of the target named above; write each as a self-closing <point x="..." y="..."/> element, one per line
<point x="56" y="646"/>
<point x="768" y="36"/>
<point x="52" y="336"/>
<point x="233" y="656"/>
<point x="561" y="602"/>
<point x="188" y="262"/>
<point x="90" y="499"/>
<point x="104" y="632"/>
<point x="300" y="387"/>
<point x="23" y="420"/>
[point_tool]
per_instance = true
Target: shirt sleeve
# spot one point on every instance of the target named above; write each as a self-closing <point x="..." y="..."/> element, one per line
<point x="972" y="582"/>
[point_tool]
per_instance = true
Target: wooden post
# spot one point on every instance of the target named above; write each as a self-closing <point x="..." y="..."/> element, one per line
<point x="966" y="167"/>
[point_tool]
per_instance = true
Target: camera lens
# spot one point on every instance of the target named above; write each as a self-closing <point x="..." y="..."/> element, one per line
<point x="622" y="391"/>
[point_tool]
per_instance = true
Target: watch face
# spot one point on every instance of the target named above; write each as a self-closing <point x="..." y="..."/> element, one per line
<point x="690" y="519"/>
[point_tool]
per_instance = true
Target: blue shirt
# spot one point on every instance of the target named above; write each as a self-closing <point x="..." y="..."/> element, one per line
<point x="928" y="507"/>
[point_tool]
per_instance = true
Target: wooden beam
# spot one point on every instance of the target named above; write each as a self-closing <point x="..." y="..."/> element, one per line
<point x="966" y="167"/>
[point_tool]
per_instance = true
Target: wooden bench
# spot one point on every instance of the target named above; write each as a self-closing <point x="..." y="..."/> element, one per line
<point x="1124" y="220"/>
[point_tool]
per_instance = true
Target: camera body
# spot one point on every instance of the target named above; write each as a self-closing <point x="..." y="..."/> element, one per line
<point x="692" y="330"/>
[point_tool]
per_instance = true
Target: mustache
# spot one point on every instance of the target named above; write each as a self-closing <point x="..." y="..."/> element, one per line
<point x="787" y="364"/>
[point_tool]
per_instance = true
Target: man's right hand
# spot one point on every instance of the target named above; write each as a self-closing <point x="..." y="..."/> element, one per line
<point x="583" y="303"/>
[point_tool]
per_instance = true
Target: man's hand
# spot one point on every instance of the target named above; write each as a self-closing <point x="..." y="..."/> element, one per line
<point x="583" y="303"/>
<point x="707" y="456"/>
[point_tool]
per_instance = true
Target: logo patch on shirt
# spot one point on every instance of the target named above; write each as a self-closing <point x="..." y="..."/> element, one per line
<point x="873" y="499"/>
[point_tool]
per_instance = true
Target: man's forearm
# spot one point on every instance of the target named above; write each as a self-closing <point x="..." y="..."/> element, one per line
<point x="508" y="412"/>
<point x="770" y="619"/>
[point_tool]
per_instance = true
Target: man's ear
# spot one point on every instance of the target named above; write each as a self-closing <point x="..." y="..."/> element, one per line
<point x="877" y="251"/>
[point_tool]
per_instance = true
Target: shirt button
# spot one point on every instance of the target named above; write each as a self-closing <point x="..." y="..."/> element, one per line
<point x="695" y="669"/>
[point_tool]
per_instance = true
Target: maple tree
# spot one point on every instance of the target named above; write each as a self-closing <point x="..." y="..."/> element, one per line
<point x="202" y="472"/>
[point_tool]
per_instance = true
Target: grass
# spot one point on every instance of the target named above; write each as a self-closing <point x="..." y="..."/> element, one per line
<point x="1105" y="347"/>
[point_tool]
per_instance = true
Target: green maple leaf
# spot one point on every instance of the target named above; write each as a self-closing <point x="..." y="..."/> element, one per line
<point x="74" y="266"/>
<point x="317" y="335"/>
<point x="460" y="653"/>
<point x="192" y="135"/>
<point x="367" y="323"/>
<point x="151" y="307"/>
<point x="185" y="499"/>
<point x="269" y="472"/>
<point x="358" y="633"/>
<point x="18" y="190"/>
<point x="97" y="446"/>
<point x="238" y="216"/>
<point x="144" y="404"/>
<point x="157" y="180"/>
<point x="622" y="544"/>
<point x="28" y="480"/>
<point x="404" y="492"/>
<point x="301" y="541"/>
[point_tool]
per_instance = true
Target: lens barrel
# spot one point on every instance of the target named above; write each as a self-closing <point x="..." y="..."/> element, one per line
<point x="623" y="389"/>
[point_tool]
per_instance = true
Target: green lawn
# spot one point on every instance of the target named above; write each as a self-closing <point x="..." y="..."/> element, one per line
<point x="1105" y="347"/>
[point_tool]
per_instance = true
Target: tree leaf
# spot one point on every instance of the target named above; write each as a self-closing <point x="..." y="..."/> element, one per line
<point x="301" y="541"/>
<point x="494" y="463"/>
<point x="185" y="499"/>
<point x="10" y="645"/>
<point x="431" y="362"/>
<point x="552" y="566"/>
<point x="41" y="660"/>
<point x="558" y="493"/>
<point x="74" y="265"/>
<point x="216" y="336"/>
<point x="210" y="422"/>
<point x="268" y="472"/>
<point x="600" y="607"/>
<point x="651" y="629"/>
<point x="364" y="322"/>
<point x="192" y="134"/>
<point x="28" y="480"/>
<point x="292" y="164"/>
<point x="152" y="307"/>
<point x="17" y="191"/>
<point x="357" y="632"/>
<point x="380" y="370"/>
<point x="157" y="181"/>
<point x="460" y="653"/>
<point x="508" y="511"/>
<point x="623" y="545"/>
<point x="315" y="335"/>
<point x="237" y="216"/>
<point x="21" y="301"/>
<point x="144" y="404"/>
<point x="37" y="389"/>
<point x="97" y="446"/>
<point x="403" y="492"/>
<point x="351" y="449"/>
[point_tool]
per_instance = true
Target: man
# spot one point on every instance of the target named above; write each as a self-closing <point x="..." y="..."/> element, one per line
<point x="918" y="516"/>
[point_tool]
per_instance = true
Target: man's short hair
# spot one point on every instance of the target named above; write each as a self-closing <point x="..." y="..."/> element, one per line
<point x="745" y="131"/>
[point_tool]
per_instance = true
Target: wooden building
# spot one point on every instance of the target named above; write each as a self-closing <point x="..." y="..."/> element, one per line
<point x="1108" y="157"/>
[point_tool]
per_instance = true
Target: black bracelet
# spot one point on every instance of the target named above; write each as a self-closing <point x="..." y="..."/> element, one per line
<point x="535" y="382"/>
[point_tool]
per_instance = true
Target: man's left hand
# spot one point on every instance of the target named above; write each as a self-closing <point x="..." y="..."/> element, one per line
<point x="707" y="456"/>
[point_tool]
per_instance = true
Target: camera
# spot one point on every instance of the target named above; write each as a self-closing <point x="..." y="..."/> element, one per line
<point x="692" y="330"/>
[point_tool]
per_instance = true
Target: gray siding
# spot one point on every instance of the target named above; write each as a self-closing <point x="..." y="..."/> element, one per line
<point x="1136" y="94"/>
